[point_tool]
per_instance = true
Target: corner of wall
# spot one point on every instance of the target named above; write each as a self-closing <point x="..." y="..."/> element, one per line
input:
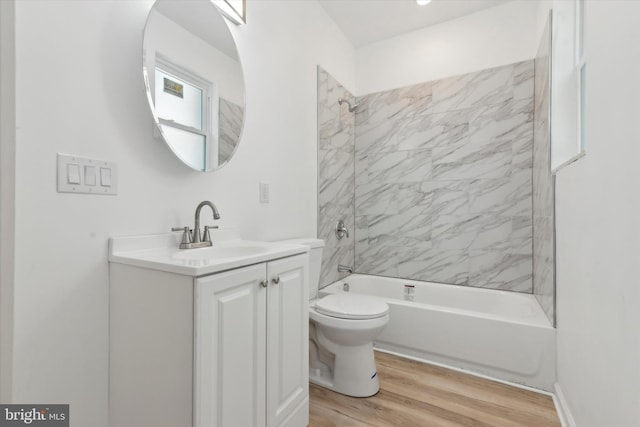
<point x="562" y="408"/>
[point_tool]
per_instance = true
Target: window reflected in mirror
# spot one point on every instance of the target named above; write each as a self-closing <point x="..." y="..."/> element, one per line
<point x="194" y="81"/>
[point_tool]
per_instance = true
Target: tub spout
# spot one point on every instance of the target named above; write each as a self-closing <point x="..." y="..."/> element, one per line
<point x="344" y="269"/>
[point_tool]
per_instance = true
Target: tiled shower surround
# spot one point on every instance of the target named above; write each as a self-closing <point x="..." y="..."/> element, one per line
<point x="443" y="180"/>
<point x="230" y="126"/>
<point x="336" y="176"/>
<point x="543" y="185"/>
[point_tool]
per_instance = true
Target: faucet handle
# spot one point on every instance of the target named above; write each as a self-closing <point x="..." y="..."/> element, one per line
<point x="186" y="234"/>
<point x="341" y="230"/>
<point x="207" y="236"/>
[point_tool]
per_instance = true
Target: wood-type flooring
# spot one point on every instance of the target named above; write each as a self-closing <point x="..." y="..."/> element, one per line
<point x="414" y="394"/>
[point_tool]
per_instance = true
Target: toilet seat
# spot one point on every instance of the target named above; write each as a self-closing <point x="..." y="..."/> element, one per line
<point x="350" y="306"/>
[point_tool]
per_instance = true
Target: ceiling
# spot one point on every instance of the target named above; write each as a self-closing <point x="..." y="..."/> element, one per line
<point x="368" y="21"/>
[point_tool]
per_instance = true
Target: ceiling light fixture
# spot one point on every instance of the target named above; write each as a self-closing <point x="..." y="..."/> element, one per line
<point x="423" y="2"/>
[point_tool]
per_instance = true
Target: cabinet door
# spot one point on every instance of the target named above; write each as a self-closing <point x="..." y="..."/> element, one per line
<point x="229" y="369"/>
<point x="288" y="342"/>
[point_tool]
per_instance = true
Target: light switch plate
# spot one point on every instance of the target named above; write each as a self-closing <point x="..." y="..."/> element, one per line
<point x="264" y="192"/>
<point x="89" y="183"/>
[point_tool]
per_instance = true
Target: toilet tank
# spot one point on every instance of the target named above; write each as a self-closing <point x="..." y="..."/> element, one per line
<point x="315" y="261"/>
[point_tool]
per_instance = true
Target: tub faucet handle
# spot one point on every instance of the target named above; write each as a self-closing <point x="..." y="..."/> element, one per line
<point x="341" y="230"/>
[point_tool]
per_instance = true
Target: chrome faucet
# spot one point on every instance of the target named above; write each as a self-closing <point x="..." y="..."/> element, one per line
<point x="196" y="228"/>
<point x="191" y="240"/>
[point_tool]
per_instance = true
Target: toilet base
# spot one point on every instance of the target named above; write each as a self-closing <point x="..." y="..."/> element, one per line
<point x="354" y="372"/>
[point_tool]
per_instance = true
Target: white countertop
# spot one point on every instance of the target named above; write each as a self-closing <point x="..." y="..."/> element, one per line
<point x="161" y="252"/>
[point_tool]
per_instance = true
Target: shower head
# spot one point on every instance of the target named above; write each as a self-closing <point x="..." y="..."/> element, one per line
<point x="351" y="108"/>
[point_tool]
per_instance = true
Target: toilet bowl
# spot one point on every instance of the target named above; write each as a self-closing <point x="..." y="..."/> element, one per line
<point x="347" y="336"/>
<point x="342" y="328"/>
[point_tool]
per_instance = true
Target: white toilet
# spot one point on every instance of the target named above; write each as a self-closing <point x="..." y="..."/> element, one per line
<point x="342" y="328"/>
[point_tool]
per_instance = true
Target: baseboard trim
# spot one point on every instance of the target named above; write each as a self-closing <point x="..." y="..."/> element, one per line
<point x="562" y="408"/>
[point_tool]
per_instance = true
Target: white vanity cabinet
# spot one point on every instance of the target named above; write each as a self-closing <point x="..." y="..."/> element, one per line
<point x="227" y="349"/>
<point x="251" y="346"/>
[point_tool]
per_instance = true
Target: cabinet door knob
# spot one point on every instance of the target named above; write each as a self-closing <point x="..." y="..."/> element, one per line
<point x="264" y="283"/>
<point x="276" y="280"/>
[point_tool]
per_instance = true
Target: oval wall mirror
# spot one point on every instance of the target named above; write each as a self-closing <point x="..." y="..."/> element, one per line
<point x="194" y="81"/>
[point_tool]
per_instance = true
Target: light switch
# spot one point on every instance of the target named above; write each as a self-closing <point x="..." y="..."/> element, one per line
<point x="73" y="173"/>
<point x="105" y="177"/>
<point x="84" y="175"/>
<point x="90" y="175"/>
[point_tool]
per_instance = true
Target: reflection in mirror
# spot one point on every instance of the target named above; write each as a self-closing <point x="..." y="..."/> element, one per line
<point x="194" y="81"/>
<point x="235" y="10"/>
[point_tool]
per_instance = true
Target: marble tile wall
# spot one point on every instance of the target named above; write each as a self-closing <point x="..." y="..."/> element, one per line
<point x="443" y="184"/>
<point x="543" y="185"/>
<point x="229" y="128"/>
<point x="336" y="175"/>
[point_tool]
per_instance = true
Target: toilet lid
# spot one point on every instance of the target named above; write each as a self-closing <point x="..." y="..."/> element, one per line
<point x="351" y="306"/>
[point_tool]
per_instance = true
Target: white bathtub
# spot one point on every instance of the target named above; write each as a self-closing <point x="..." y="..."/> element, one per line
<point x="504" y="335"/>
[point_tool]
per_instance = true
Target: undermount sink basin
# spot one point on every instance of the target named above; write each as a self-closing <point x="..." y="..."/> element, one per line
<point x="219" y="252"/>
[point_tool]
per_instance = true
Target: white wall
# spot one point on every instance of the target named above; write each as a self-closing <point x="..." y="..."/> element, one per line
<point x="598" y="242"/>
<point x="80" y="91"/>
<point x="497" y="36"/>
<point x="7" y="193"/>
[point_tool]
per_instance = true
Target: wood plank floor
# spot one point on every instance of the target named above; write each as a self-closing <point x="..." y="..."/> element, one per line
<point x="416" y="394"/>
